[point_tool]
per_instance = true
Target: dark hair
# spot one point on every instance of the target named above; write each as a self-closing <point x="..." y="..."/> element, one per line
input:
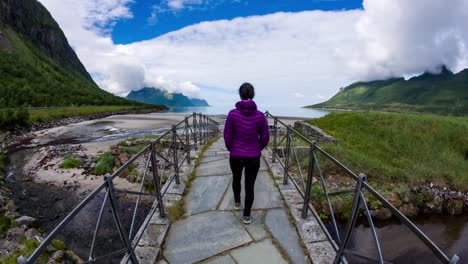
<point x="246" y="91"/>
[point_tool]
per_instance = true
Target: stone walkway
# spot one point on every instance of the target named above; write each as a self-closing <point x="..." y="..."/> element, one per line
<point x="213" y="232"/>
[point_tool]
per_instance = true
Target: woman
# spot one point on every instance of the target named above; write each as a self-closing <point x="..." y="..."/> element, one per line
<point x="245" y="135"/>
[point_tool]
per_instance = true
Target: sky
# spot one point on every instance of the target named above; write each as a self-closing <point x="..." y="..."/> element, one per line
<point x="294" y="52"/>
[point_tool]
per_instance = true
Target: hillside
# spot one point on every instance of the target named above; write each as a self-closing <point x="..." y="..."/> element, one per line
<point x="37" y="65"/>
<point x="401" y="148"/>
<point x="445" y="93"/>
<point x="158" y="96"/>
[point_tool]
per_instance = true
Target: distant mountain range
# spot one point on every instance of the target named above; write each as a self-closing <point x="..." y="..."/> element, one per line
<point x="150" y="95"/>
<point x="37" y="65"/>
<point x="444" y="93"/>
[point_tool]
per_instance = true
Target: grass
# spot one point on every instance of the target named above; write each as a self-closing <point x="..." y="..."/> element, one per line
<point x="70" y="163"/>
<point x="105" y="163"/>
<point x="396" y="148"/>
<point x="6" y="224"/>
<point x="26" y="249"/>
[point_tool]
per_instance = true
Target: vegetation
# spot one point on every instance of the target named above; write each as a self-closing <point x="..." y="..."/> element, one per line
<point x="25" y="250"/>
<point x="443" y="93"/>
<point x="396" y="148"/>
<point x="6" y="224"/>
<point x="70" y="163"/>
<point x="10" y="119"/>
<point x="105" y="163"/>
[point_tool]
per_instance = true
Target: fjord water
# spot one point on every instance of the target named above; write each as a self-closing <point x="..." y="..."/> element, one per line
<point x="277" y="110"/>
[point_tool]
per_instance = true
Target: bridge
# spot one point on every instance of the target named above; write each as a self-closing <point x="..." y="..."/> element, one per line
<point x="186" y="176"/>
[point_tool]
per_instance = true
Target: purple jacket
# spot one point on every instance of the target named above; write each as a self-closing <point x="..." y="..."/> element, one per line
<point x="246" y="131"/>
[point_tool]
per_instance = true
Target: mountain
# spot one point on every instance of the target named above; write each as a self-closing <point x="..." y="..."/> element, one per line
<point x="37" y="65"/>
<point x="444" y="93"/>
<point x="151" y="95"/>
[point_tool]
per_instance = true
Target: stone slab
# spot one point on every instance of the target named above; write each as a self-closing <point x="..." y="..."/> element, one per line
<point x="256" y="229"/>
<point x="206" y="193"/>
<point x="201" y="236"/>
<point x="214" y="158"/>
<point x="277" y="222"/>
<point x="220" y="167"/>
<point x="266" y="194"/>
<point x="225" y="259"/>
<point x="321" y="252"/>
<point x="260" y="252"/>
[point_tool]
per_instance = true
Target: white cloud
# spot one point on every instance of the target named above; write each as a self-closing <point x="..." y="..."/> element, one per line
<point x="311" y="53"/>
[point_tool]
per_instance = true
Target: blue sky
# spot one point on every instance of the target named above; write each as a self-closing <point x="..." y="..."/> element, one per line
<point x="154" y="18"/>
<point x="295" y="52"/>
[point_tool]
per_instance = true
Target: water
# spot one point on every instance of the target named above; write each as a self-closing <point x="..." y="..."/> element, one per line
<point x="51" y="206"/>
<point x="400" y="245"/>
<point x="289" y="111"/>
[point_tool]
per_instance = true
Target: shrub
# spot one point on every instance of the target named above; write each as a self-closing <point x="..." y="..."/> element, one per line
<point x="105" y="163"/>
<point x="70" y="163"/>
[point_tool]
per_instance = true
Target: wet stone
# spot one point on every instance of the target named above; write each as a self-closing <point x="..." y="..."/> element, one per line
<point x="206" y="193"/>
<point x="279" y="225"/>
<point x="260" y="252"/>
<point x="204" y="235"/>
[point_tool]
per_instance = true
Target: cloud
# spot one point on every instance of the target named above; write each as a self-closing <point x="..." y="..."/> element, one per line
<point x="311" y="53"/>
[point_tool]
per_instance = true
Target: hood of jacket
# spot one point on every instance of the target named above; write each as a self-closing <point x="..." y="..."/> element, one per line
<point x="247" y="107"/>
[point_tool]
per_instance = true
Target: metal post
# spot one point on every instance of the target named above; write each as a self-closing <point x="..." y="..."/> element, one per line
<point x="187" y="140"/>
<point x="275" y="140"/>
<point x="310" y="173"/>
<point x="200" y="128"/>
<point x="157" y="181"/>
<point x="194" y="130"/>
<point x="286" y="156"/>
<point x="174" y="149"/>
<point x="352" y="219"/>
<point x="115" y="212"/>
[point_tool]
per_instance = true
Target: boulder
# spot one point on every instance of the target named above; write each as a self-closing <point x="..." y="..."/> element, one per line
<point x="381" y="214"/>
<point x="26" y="220"/>
<point x="453" y="206"/>
<point x="31" y="233"/>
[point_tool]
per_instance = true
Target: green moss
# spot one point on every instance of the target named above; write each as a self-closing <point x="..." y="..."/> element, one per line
<point x="58" y="244"/>
<point x="105" y="163"/>
<point x="6" y="224"/>
<point x="70" y="163"/>
<point x="25" y="250"/>
<point x="177" y="210"/>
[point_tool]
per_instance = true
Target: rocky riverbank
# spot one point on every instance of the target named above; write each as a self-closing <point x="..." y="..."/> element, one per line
<point x="420" y="200"/>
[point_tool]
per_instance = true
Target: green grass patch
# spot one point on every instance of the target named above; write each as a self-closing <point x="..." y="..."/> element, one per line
<point x="25" y="250"/>
<point x="6" y="224"/>
<point x="58" y="244"/>
<point x="70" y="163"/>
<point x="401" y="148"/>
<point x="105" y="163"/>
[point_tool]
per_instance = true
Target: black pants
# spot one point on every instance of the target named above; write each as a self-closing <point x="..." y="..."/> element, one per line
<point x="251" y="165"/>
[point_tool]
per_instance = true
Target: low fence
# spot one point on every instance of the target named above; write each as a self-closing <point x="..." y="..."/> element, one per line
<point x="306" y="165"/>
<point x="162" y="158"/>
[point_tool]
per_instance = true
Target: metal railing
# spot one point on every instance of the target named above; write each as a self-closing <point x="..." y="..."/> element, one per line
<point x="299" y="156"/>
<point x="162" y="157"/>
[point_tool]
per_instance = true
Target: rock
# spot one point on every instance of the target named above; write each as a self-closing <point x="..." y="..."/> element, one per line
<point x="117" y="162"/>
<point x="381" y="214"/>
<point x="124" y="157"/>
<point x="409" y="210"/>
<point x="394" y="200"/>
<point x="58" y="257"/>
<point x="15" y="235"/>
<point x="31" y="233"/>
<point x="26" y="220"/>
<point x="453" y="206"/>
<point x="434" y="206"/>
